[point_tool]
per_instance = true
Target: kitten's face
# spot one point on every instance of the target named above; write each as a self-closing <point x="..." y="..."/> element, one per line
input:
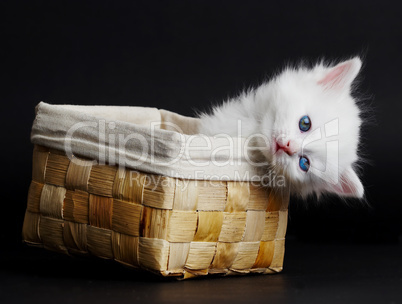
<point x="312" y="124"/>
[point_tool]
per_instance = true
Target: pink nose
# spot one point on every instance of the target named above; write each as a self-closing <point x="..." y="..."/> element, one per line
<point x="285" y="145"/>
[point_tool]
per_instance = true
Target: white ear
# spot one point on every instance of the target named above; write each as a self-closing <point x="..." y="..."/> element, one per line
<point x="349" y="185"/>
<point x="342" y="75"/>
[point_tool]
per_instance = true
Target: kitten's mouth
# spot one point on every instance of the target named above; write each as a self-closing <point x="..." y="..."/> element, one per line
<point x="276" y="147"/>
<point x="279" y="149"/>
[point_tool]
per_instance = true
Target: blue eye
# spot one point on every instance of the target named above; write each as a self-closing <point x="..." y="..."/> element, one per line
<point x="304" y="123"/>
<point x="304" y="163"/>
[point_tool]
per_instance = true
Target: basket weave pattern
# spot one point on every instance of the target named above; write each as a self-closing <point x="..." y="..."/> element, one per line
<point x="170" y="226"/>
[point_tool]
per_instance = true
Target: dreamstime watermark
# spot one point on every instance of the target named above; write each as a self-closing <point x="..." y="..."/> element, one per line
<point x="168" y="147"/>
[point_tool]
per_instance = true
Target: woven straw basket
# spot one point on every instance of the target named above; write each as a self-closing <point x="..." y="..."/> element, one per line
<point x="167" y="225"/>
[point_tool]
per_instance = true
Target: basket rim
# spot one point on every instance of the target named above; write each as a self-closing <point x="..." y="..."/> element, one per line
<point x="89" y="131"/>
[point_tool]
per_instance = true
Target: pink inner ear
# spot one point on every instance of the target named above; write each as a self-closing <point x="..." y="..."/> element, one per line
<point x="345" y="188"/>
<point x="335" y="76"/>
<point x="349" y="184"/>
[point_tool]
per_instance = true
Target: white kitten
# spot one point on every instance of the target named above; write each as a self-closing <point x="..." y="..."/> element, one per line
<point x="311" y="126"/>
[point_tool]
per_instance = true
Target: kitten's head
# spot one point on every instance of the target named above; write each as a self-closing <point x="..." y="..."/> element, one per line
<point x="312" y="123"/>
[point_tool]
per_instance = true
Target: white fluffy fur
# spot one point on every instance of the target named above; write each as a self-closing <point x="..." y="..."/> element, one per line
<point x="274" y="110"/>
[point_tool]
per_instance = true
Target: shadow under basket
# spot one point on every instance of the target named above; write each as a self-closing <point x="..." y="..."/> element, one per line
<point x="170" y="226"/>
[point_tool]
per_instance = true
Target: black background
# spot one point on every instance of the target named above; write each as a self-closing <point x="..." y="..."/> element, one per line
<point x="186" y="55"/>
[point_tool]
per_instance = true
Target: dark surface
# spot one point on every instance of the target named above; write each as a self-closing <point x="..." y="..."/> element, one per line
<point x="314" y="273"/>
<point x="186" y="55"/>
